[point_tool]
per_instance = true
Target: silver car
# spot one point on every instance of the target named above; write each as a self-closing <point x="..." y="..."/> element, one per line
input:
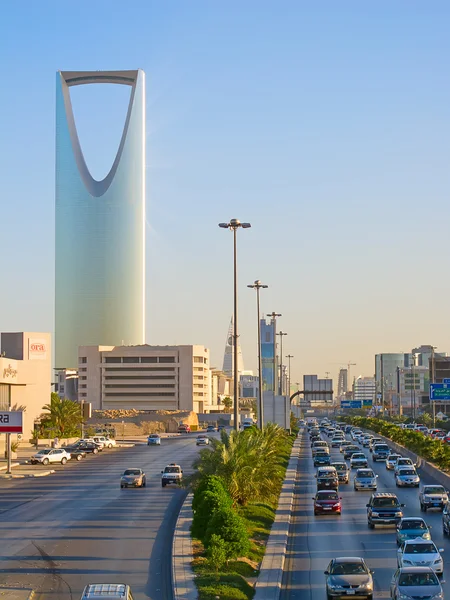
<point x="347" y="576"/>
<point x="420" y="553"/>
<point x="416" y="582"/>
<point x="365" y="479"/>
<point x="406" y="477"/>
<point x="391" y="461"/>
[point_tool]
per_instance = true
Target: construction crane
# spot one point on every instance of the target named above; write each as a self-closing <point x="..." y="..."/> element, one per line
<point x="349" y="364"/>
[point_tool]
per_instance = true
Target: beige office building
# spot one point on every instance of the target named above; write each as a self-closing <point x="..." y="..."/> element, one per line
<point x="25" y="375"/>
<point x="145" y="377"/>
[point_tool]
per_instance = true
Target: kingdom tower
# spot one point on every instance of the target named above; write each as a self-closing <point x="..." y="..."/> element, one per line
<point x="100" y="228"/>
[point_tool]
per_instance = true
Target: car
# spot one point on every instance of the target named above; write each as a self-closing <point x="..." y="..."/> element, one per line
<point x="380" y="452"/>
<point x="365" y="479"/>
<point x="407" y="477"/>
<point x="319" y="445"/>
<point x="358" y="459"/>
<point x="154" y="440"/>
<point x="210" y="429"/>
<point x="50" y="456"/>
<point x="97" y="440"/>
<point x="247" y="426"/>
<point x="337" y="440"/>
<point x="344" y="444"/>
<point x="133" y="478"/>
<point x="327" y="501"/>
<point x="420" y="553"/>
<point x="107" y="442"/>
<point x="301" y="423"/>
<point x="391" y="461"/>
<point x="446" y="520"/>
<point x="220" y="427"/>
<point x="184" y="428"/>
<point x="403" y="462"/>
<point x="348" y="575"/>
<point x="171" y="474"/>
<point x="76" y="452"/>
<point x="365" y="440"/>
<point x="98" y="445"/>
<point x="90" y="447"/>
<point x="416" y="582"/>
<point x="373" y="441"/>
<point x="327" y="478"/>
<point x="433" y="496"/>
<point x="107" y="591"/>
<point x="321" y="458"/>
<point x="342" y="471"/>
<point x="202" y="440"/>
<point x="383" y="509"/>
<point x="349" y="450"/>
<point x="355" y="433"/>
<point x="411" y="528"/>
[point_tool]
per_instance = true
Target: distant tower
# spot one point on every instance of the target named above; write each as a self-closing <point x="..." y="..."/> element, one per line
<point x="342" y="382"/>
<point x="229" y="354"/>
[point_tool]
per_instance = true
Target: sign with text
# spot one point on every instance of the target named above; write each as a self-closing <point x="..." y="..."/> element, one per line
<point x="439" y="391"/>
<point x="37" y="349"/>
<point x="350" y="403"/>
<point x="11" y="422"/>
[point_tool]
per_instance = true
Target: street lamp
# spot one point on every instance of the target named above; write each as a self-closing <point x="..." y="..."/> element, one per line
<point x="433" y="371"/>
<point x="257" y="286"/>
<point x="289" y="356"/>
<point x="234" y="225"/>
<point x="274" y="316"/>
<point x="281" y="361"/>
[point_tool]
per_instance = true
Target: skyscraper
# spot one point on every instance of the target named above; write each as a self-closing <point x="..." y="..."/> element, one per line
<point x="228" y="357"/>
<point x="100" y="228"/>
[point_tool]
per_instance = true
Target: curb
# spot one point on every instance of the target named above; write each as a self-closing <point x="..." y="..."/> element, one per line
<point x="268" y="584"/>
<point x="26" y="475"/>
<point x="183" y="584"/>
<point x="13" y="465"/>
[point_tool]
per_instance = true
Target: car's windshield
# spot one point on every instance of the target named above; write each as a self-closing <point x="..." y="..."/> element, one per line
<point x="412" y="524"/>
<point x="348" y="568"/>
<point x="365" y="473"/>
<point x="417" y="579"/>
<point x="44" y="451"/>
<point x="407" y="472"/>
<point x="385" y="502"/>
<point x="434" y="489"/>
<point x="154" y="435"/>
<point x="171" y="470"/>
<point x="429" y="548"/>
<point x="327" y="496"/>
<point x="404" y="461"/>
<point x="339" y="466"/>
<point x="393" y="457"/>
<point x="132" y="472"/>
<point x="358" y="455"/>
<point x="381" y="447"/>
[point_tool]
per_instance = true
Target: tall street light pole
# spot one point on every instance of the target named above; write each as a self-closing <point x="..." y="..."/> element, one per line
<point x="257" y="286"/>
<point x="274" y="316"/>
<point x="233" y="226"/>
<point x="281" y="334"/>
<point x="433" y="370"/>
<point x="289" y="356"/>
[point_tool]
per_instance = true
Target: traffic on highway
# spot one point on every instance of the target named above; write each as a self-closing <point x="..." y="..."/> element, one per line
<point x="373" y="527"/>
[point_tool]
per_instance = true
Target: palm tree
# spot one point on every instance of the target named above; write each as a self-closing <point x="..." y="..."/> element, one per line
<point x="65" y="415"/>
<point x="249" y="462"/>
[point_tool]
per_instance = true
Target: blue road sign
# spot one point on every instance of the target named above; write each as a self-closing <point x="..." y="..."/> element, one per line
<point x="440" y="391"/>
<point x="446" y="381"/>
<point x="350" y="403"/>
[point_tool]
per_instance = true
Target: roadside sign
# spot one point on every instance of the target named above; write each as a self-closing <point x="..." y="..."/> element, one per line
<point x="11" y="422"/>
<point x="439" y="391"/>
<point x="350" y="403"/>
<point x="446" y="381"/>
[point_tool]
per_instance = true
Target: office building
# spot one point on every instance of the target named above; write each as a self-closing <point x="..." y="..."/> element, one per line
<point x="228" y="357"/>
<point x="364" y="389"/>
<point x="145" y="377"/>
<point x="67" y="383"/>
<point x="248" y="385"/>
<point x="25" y="375"/>
<point x="100" y="227"/>
<point x="413" y="386"/>
<point x="386" y="365"/>
<point x="268" y="355"/>
<point x="342" y="382"/>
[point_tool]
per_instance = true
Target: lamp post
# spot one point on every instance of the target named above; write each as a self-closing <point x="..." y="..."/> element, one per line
<point x="413" y="391"/>
<point x="233" y="226"/>
<point x="281" y="361"/>
<point x="433" y="371"/>
<point x="274" y="316"/>
<point x="289" y="356"/>
<point x="257" y="286"/>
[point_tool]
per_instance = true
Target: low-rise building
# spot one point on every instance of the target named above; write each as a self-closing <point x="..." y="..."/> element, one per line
<point x="25" y="375"/>
<point x="145" y="377"/>
<point x="364" y="389"/>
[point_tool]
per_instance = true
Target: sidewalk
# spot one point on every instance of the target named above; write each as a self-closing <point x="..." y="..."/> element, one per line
<point x="10" y="593"/>
<point x="183" y="584"/>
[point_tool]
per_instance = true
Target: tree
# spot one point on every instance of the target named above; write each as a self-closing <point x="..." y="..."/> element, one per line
<point x="64" y="416"/>
<point x="228" y="525"/>
<point x="216" y="553"/>
<point x="210" y="503"/>
<point x="228" y="403"/>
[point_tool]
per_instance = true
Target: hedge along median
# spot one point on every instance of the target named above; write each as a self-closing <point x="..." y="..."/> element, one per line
<point x="427" y="448"/>
<point x="236" y="494"/>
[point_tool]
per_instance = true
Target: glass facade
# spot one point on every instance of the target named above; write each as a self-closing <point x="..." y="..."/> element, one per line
<point x="100" y="229"/>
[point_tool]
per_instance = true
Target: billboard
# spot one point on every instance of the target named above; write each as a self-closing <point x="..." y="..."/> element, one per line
<point x="11" y="422"/>
<point x="37" y="349"/>
<point x="350" y="403"/>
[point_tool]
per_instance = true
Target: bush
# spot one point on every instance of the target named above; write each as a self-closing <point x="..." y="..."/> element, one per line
<point x="210" y="483"/>
<point x="207" y="506"/>
<point x="216" y="553"/>
<point x="231" y="528"/>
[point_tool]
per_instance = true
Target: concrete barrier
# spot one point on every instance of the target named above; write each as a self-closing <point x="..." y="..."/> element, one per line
<point x="268" y="584"/>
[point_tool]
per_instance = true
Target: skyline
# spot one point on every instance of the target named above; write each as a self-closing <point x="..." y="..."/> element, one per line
<point x="325" y="129"/>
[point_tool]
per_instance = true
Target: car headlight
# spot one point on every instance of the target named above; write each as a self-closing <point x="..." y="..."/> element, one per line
<point x="426" y="536"/>
<point x="437" y="561"/>
<point x="398" y="513"/>
<point x="403" y="597"/>
<point x="336" y="505"/>
<point x="374" y="514"/>
<point x="439" y="596"/>
<point x="365" y="586"/>
<point x="407" y="562"/>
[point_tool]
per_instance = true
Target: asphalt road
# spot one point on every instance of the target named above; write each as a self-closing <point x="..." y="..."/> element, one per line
<point x="60" y="532"/>
<point x="314" y="541"/>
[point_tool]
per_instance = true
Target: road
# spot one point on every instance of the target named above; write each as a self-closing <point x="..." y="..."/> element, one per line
<point x="314" y="541"/>
<point x="60" y="532"/>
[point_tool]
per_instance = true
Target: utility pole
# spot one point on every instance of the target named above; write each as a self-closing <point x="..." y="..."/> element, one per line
<point x="257" y="286"/>
<point x="281" y="334"/>
<point x="433" y="371"/>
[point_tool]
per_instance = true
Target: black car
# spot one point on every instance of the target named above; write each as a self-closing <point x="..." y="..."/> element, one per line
<point x="327" y="483"/>
<point x="90" y="448"/>
<point x="349" y="451"/>
<point x="75" y="451"/>
<point x="383" y="509"/>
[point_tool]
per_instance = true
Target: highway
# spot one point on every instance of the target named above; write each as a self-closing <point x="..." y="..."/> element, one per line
<point x="60" y="532"/>
<point x="314" y="541"/>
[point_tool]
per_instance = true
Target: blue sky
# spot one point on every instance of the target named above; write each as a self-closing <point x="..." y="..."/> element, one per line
<point x="324" y="124"/>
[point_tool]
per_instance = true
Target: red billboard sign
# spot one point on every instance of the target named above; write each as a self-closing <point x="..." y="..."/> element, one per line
<point x="11" y="422"/>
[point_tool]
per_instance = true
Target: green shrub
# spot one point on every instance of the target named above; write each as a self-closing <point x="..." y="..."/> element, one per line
<point x="231" y="528"/>
<point x="216" y="552"/>
<point x="210" y="483"/>
<point x="209" y="503"/>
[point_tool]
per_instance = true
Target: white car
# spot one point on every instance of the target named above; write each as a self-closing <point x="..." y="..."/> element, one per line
<point x="358" y="460"/>
<point x="106" y="441"/>
<point x="407" y="477"/>
<point x="420" y="553"/>
<point x="173" y="473"/>
<point x="403" y="462"/>
<point x="202" y="440"/>
<point x="50" y="456"/>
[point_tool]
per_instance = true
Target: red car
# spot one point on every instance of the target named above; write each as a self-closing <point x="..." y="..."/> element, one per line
<point x="184" y="428"/>
<point x="327" y="501"/>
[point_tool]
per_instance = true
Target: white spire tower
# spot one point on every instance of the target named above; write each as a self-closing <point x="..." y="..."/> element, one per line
<point x="229" y="353"/>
